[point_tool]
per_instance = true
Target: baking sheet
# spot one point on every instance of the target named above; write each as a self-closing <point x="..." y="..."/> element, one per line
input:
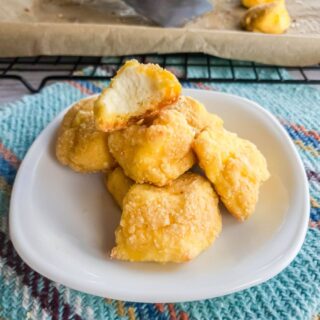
<point x="109" y="27"/>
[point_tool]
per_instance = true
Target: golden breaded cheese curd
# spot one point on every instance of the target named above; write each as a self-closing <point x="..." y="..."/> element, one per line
<point x="118" y="184"/>
<point x="235" y="167"/>
<point x="196" y="113"/>
<point x="156" y="154"/>
<point x="267" y="18"/>
<point x="169" y="224"/>
<point x="213" y="148"/>
<point x="138" y="90"/>
<point x="79" y="144"/>
<point x="253" y="3"/>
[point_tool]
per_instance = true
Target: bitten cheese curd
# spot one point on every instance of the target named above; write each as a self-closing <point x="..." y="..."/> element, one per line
<point x="138" y="90"/>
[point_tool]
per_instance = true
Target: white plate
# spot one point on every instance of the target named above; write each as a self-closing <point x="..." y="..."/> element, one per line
<point x="62" y="223"/>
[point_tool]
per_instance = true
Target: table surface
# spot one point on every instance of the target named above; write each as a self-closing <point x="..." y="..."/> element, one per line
<point x="11" y="90"/>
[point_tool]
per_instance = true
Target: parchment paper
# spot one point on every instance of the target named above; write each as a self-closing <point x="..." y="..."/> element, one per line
<point x="109" y="27"/>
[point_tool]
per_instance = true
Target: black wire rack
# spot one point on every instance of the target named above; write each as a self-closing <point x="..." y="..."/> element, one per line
<point x="187" y="67"/>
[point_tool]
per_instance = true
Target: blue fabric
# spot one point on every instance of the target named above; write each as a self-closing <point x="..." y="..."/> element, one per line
<point x="293" y="294"/>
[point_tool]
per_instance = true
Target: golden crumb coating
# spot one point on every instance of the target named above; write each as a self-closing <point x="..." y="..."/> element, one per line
<point x="156" y="154"/>
<point x="118" y="184"/>
<point x="267" y="18"/>
<point x="169" y="224"/>
<point x="253" y="3"/>
<point x="138" y="90"/>
<point x="196" y="114"/>
<point x="235" y="167"/>
<point x="79" y="144"/>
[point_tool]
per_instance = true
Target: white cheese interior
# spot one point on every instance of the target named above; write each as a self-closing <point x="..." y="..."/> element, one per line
<point x="131" y="91"/>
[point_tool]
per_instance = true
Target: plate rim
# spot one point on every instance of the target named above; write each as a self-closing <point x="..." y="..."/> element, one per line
<point x="39" y="266"/>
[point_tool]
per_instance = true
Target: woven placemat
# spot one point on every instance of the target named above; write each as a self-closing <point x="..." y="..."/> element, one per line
<point x="293" y="294"/>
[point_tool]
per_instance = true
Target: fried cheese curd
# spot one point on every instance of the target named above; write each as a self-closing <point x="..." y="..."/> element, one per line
<point x="79" y="144"/>
<point x="118" y="184"/>
<point x="253" y="3"/>
<point x="155" y="153"/>
<point x="235" y="167"/>
<point x="196" y="113"/>
<point x="169" y="224"/>
<point x="267" y="18"/>
<point x="137" y="91"/>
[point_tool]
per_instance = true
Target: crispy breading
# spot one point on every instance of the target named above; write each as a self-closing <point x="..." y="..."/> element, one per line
<point x="196" y="113"/>
<point x="235" y="167"/>
<point x="169" y="224"/>
<point x="80" y="145"/>
<point x="118" y="184"/>
<point x="137" y="91"/>
<point x="156" y="154"/>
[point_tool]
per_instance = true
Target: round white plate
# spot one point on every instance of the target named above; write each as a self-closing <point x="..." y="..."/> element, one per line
<point x="62" y="223"/>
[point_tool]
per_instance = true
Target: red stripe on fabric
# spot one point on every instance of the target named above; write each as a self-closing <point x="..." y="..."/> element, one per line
<point x="9" y="156"/>
<point x="314" y="224"/>
<point x="202" y="86"/>
<point x="304" y="130"/>
<point x="160" y="307"/>
<point x="26" y="274"/>
<point x="184" y="316"/>
<point x="34" y="284"/>
<point x="44" y="295"/>
<point x="55" y="304"/>
<point x="66" y="312"/>
<point x="80" y="87"/>
<point x="206" y="87"/>
<point x="172" y="312"/>
<point x="309" y="133"/>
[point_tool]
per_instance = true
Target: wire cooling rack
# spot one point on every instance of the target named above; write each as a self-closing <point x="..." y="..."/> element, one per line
<point x="187" y="67"/>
